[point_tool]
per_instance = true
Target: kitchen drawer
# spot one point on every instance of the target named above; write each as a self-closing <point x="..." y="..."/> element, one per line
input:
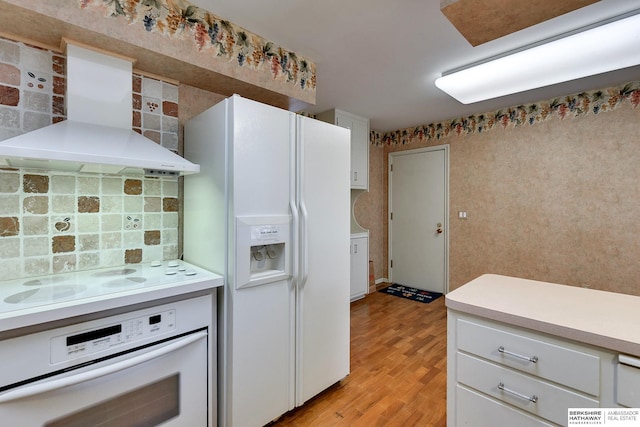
<point x="555" y="361"/>
<point x="551" y="402"/>
<point x="474" y="409"/>
<point x="628" y="382"/>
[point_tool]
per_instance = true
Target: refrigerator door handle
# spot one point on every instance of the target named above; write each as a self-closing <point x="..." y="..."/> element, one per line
<point x="294" y="241"/>
<point x="302" y="241"/>
<point x="304" y="273"/>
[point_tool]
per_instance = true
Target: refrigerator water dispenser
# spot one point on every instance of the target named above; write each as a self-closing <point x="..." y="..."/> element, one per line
<point x="262" y="250"/>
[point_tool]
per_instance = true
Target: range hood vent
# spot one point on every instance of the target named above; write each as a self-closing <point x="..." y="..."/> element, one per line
<point x="97" y="135"/>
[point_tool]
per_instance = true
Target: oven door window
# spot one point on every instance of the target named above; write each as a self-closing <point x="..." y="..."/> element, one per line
<point x="166" y="387"/>
<point x="156" y="403"/>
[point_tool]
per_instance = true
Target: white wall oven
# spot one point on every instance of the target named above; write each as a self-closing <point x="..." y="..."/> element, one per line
<point x="146" y="367"/>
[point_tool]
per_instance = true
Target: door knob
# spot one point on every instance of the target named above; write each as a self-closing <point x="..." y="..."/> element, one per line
<point x="439" y="229"/>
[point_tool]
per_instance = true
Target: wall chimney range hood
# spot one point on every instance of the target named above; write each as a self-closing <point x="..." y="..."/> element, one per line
<point x="97" y="135"/>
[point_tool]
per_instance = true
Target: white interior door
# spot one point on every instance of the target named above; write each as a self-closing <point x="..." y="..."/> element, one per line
<point x="418" y="199"/>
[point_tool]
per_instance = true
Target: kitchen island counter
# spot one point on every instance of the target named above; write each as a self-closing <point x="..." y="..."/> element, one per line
<point x="603" y="319"/>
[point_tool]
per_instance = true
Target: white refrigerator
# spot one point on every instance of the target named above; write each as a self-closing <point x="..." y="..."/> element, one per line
<point x="269" y="210"/>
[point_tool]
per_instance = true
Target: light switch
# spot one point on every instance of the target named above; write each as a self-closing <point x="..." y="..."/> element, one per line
<point x="462" y="214"/>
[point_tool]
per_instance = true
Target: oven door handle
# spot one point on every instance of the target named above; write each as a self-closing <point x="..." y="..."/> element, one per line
<point x="44" y="387"/>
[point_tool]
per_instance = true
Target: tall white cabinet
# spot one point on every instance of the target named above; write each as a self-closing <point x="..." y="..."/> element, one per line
<point x="359" y="144"/>
<point x="359" y="127"/>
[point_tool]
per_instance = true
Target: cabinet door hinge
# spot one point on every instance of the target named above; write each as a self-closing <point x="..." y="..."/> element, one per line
<point x="391" y="216"/>
<point x="391" y="264"/>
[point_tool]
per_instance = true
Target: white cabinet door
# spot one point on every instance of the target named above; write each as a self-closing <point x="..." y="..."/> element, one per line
<point x="359" y="144"/>
<point x="628" y="381"/>
<point x="359" y="148"/>
<point x="359" y="267"/>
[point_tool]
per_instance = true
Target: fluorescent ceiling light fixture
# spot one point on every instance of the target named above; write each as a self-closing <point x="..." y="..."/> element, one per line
<point x="612" y="46"/>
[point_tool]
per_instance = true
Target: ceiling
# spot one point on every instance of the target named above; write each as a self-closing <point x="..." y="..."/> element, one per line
<point x="379" y="59"/>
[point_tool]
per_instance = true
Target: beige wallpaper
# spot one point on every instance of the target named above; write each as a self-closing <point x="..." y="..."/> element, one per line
<point x="371" y="211"/>
<point x="174" y="39"/>
<point x="555" y="201"/>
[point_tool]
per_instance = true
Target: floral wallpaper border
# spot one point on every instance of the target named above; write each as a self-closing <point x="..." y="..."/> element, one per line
<point x="183" y="20"/>
<point x="593" y="102"/>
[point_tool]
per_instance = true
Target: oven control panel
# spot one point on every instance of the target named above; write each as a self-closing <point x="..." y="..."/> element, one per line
<point x="110" y="336"/>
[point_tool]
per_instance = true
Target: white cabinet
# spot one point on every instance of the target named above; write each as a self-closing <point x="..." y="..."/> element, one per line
<point x="628" y="381"/>
<point x="499" y="370"/>
<point x="359" y="184"/>
<point x="531" y="351"/>
<point x="359" y="265"/>
<point x="359" y="144"/>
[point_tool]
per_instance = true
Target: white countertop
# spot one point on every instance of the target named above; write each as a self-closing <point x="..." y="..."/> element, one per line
<point x="604" y="319"/>
<point x="36" y="300"/>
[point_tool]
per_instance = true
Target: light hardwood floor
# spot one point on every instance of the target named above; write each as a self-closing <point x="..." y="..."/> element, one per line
<point x="398" y="369"/>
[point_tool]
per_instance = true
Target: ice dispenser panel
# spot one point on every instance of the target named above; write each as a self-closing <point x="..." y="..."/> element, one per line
<point x="262" y="250"/>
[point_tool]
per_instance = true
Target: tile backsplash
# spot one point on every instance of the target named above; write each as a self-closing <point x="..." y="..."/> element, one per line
<point x="53" y="222"/>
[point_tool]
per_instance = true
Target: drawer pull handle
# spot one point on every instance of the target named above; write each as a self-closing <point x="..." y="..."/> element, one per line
<point x="532" y="359"/>
<point x="533" y="398"/>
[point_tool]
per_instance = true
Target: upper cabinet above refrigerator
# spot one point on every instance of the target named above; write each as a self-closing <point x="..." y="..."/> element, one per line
<point x="359" y="144"/>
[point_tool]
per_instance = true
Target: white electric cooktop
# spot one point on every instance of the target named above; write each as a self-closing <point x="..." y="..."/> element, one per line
<point x="34" y="300"/>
